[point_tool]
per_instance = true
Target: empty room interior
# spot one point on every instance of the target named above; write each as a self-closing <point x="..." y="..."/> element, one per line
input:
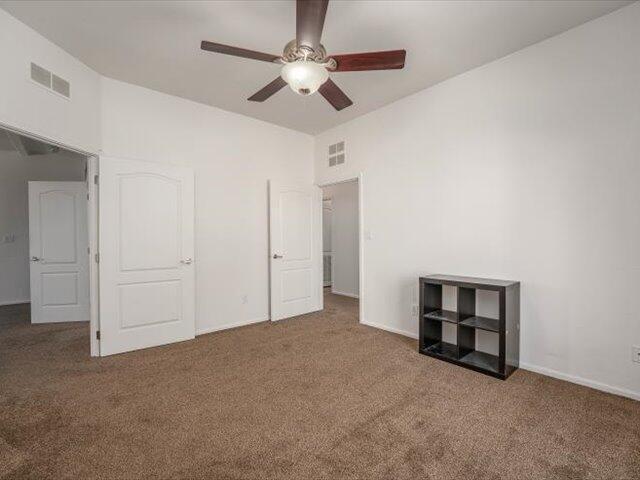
<point x="313" y="239"/>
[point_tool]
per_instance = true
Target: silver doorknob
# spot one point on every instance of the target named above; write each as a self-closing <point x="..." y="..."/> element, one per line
<point x="186" y="261"/>
<point x="36" y="259"/>
<point x="276" y="256"/>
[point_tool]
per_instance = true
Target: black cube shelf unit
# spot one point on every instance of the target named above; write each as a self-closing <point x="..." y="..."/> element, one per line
<point x="464" y="352"/>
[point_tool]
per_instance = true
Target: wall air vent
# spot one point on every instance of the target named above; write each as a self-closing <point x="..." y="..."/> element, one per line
<point x="40" y="75"/>
<point x="336" y="154"/>
<point x="60" y="85"/>
<point x="50" y="81"/>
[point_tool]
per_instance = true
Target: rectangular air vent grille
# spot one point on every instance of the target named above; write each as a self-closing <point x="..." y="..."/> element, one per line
<point x="51" y="81"/>
<point x="60" y="85"/>
<point x="336" y="154"/>
<point x="40" y="75"/>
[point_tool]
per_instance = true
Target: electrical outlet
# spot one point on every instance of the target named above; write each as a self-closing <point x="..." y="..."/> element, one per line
<point x="414" y="310"/>
<point x="245" y="299"/>
<point x="636" y="354"/>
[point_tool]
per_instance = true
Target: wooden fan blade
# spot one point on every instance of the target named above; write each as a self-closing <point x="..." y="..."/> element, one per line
<point x="266" y="92"/>
<point x="354" y="62"/>
<point x="237" y="52"/>
<point x="309" y="21"/>
<point x="334" y="95"/>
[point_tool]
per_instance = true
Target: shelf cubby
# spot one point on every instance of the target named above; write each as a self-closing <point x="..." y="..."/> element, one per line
<point x="486" y="361"/>
<point x="443" y="316"/>
<point x="443" y="349"/>
<point x="465" y="352"/>
<point x="482" y="323"/>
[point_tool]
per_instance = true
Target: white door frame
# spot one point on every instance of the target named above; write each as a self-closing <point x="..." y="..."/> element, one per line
<point x="92" y="212"/>
<point x="343" y="179"/>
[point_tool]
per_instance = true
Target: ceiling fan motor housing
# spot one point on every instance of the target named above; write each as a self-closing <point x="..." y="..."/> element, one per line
<point x="293" y="53"/>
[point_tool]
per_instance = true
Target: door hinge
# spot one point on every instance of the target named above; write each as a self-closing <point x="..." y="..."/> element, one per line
<point x="97" y="257"/>
<point x="98" y="335"/>
<point x="89" y="250"/>
<point x="95" y="179"/>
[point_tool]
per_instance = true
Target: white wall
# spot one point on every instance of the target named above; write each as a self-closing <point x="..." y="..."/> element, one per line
<point x="233" y="157"/>
<point x="30" y="107"/>
<point x="344" y="237"/>
<point x="15" y="172"/>
<point x="527" y="168"/>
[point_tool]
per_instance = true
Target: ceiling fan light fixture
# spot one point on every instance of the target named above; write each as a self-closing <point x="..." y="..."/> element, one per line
<point x="304" y="76"/>
<point x="306" y="63"/>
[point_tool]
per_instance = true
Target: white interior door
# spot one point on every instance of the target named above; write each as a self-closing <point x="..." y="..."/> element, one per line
<point x="295" y="217"/>
<point x="58" y="243"/>
<point x="147" y="280"/>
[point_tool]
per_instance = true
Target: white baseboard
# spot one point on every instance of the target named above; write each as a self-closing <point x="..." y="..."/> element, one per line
<point x="14" y="302"/>
<point x="344" y="294"/>
<point x="227" y="326"/>
<point x="390" y="329"/>
<point x="581" y="381"/>
<point x="65" y="321"/>
<point x="623" y="392"/>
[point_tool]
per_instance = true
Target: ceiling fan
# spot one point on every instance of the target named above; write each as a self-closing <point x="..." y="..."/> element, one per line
<point x="306" y="65"/>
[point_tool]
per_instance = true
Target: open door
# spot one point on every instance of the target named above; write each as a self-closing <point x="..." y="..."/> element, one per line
<point x="295" y="231"/>
<point x="146" y="238"/>
<point x="58" y="242"/>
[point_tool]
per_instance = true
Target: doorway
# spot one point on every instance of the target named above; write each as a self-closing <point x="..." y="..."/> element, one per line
<point x="138" y="290"/>
<point x="341" y="245"/>
<point x="45" y="218"/>
<point x="302" y="265"/>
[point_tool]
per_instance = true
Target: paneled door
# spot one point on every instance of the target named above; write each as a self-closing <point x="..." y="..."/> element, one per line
<point x="59" y="259"/>
<point x="146" y="242"/>
<point x="295" y="229"/>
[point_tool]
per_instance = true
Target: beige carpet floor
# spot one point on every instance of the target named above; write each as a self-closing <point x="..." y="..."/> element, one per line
<point x="315" y="397"/>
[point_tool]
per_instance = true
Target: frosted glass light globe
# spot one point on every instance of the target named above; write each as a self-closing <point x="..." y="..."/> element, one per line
<point x="304" y="77"/>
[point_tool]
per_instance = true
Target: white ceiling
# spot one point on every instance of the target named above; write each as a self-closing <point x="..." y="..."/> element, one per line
<point x="157" y="45"/>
